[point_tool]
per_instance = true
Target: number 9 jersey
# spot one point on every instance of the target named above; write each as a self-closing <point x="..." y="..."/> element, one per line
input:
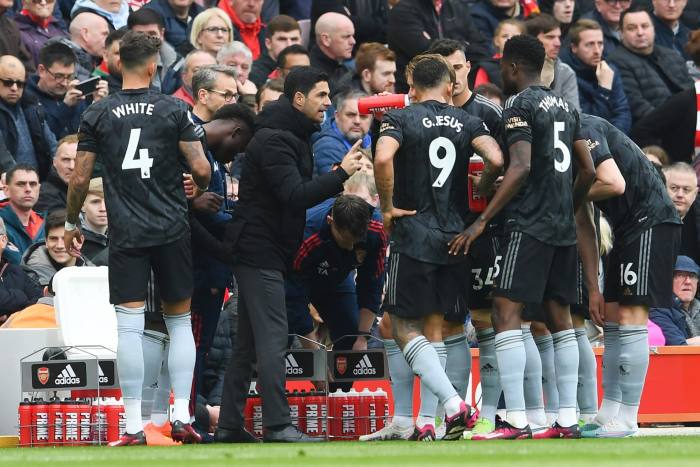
<point x="430" y="176"/>
<point x="543" y="208"/>
<point x="135" y="134"/>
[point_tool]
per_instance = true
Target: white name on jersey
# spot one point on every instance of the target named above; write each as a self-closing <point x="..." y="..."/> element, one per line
<point x="443" y="120"/>
<point x="133" y="108"/>
<point x="552" y="101"/>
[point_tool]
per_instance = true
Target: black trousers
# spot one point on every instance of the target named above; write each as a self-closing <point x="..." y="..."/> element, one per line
<point x="261" y="337"/>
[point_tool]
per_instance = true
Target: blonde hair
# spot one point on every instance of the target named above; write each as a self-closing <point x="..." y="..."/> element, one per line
<point x="96" y="188"/>
<point x="360" y="180"/>
<point x="606" y="236"/>
<point x="201" y="20"/>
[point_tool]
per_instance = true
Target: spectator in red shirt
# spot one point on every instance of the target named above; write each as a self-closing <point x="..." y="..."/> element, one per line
<point x="193" y="62"/>
<point x="37" y="25"/>
<point x="247" y="25"/>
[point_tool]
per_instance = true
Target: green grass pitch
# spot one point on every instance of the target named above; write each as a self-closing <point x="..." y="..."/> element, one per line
<point x="656" y="451"/>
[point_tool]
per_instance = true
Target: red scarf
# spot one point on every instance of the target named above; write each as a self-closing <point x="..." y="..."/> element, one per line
<point x="249" y="32"/>
<point x="41" y="22"/>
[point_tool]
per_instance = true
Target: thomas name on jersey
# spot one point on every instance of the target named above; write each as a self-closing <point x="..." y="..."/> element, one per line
<point x="551" y="101"/>
<point x="133" y="108"/>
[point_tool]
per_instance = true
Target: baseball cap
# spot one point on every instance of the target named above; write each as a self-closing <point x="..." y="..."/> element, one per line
<point x="686" y="264"/>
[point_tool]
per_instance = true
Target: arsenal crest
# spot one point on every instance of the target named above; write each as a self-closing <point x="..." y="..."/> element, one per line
<point x="341" y="365"/>
<point x="42" y="374"/>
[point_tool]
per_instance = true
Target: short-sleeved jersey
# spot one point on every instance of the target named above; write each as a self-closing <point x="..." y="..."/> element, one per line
<point x="430" y="176"/>
<point x="645" y="202"/>
<point x="135" y="134"/>
<point x="489" y="112"/>
<point x="543" y="208"/>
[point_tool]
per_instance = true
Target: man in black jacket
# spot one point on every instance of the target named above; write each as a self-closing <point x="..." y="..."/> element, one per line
<point x="415" y="24"/>
<point x="52" y="194"/>
<point x="650" y="73"/>
<point x="275" y="190"/>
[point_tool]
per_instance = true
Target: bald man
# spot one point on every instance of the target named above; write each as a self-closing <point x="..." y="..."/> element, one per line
<point x="335" y="39"/>
<point x="193" y="62"/>
<point x="23" y="126"/>
<point x="88" y="32"/>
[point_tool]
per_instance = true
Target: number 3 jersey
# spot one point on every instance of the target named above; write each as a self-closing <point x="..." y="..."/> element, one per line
<point x="430" y="176"/>
<point x="543" y="208"/>
<point x="135" y="134"/>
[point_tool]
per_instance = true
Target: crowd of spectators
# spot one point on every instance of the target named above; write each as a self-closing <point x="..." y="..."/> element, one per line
<point x="632" y="64"/>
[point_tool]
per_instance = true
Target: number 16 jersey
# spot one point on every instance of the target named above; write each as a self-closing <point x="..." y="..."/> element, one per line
<point x="430" y="176"/>
<point x="135" y="134"/>
<point x="543" y="208"/>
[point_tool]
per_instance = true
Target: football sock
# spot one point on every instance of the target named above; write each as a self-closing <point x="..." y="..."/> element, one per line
<point x="425" y="363"/>
<point x="458" y="364"/>
<point x="160" y="413"/>
<point x="634" y="361"/>
<point x="566" y="369"/>
<point x="532" y="381"/>
<point x="611" y="376"/>
<point x="510" y="352"/>
<point x="130" y="322"/>
<point x="401" y="384"/>
<point x="545" y="345"/>
<point x="587" y="377"/>
<point x="181" y="361"/>
<point x="488" y="369"/>
<point x="428" y="400"/>
<point x="153" y="345"/>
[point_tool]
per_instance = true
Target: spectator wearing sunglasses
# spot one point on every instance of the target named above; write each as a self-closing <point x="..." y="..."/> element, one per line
<point x="23" y="124"/>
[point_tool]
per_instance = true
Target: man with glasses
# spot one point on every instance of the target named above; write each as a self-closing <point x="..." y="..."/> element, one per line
<point x="23" y="125"/>
<point x="53" y="86"/>
<point x="212" y="87"/>
<point x="607" y="14"/>
<point x="37" y="24"/>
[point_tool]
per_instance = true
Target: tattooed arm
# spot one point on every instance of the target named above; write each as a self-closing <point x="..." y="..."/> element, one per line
<point x="77" y="191"/>
<point x="201" y="170"/>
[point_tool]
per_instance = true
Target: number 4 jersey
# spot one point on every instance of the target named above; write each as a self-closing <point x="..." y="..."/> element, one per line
<point x="430" y="176"/>
<point x="544" y="206"/>
<point x="135" y="134"/>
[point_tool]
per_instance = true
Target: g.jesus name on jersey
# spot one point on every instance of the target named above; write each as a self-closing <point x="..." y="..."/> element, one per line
<point x="135" y="134"/>
<point x="430" y="176"/>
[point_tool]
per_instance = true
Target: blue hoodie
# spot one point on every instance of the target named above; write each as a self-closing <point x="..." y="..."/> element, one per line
<point x="330" y="146"/>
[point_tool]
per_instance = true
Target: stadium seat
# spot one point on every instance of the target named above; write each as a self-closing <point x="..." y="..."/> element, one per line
<point x="83" y="312"/>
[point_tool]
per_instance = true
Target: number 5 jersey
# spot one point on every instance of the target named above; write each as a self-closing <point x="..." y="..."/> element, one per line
<point x="135" y="134"/>
<point x="430" y="176"/>
<point x="543" y="208"/>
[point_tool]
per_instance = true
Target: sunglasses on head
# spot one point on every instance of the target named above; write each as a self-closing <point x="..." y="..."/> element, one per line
<point x="8" y="83"/>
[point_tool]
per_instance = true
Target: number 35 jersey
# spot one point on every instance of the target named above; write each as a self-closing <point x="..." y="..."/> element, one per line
<point x="135" y="134"/>
<point x="543" y="208"/>
<point x="430" y="176"/>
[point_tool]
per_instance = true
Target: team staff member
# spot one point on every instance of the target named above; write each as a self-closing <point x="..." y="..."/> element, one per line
<point x="140" y="136"/>
<point x="343" y="235"/>
<point x="276" y="189"/>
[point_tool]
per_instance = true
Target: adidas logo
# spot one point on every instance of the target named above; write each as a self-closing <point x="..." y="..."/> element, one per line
<point x="291" y="366"/>
<point x="101" y="375"/>
<point x="364" y="367"/>
<point x="624" y="370"/>
<point x="488" y="367"/>
<point x="67" y="376"/>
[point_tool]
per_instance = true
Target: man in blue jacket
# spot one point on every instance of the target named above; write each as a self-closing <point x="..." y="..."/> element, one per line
<point x="22" y="224"/>
<point x="339" y="268"/>
<point x="600" y="89"/>
<point x="677" y="322"/>
<point x="335" y="140"/>
<point x="178" y="16"/>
